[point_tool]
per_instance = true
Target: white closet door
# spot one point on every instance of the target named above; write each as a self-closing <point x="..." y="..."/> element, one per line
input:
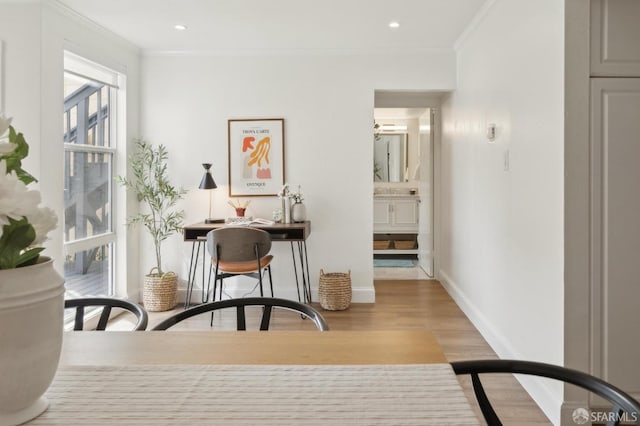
<point x="615" y="221"/>
<point x="425" y="189"/>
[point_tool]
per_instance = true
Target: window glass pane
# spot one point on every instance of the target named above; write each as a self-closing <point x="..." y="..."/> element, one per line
<point x="73" y="123"/>
<point x="88" y="113"/>
<point x="87" y="273"/>
<point x="88" y="177"/>
<point x="93" y="104"/>
<point x="87" y="194"/>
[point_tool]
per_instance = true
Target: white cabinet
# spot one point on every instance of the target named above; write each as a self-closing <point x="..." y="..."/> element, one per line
<point x="615" y="35"/>
<point x="615" y="199"/>
<point x="615" y="224"/>
<point x="395" y="215"/>
<point x="395" y="225"/>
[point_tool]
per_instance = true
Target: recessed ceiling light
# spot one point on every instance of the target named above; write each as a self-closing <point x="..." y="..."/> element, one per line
<point x="394" y="24"/>
<point x="180" y="27"/>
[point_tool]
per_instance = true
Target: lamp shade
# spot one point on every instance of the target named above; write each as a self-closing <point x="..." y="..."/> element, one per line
<point x="207" y="181"/>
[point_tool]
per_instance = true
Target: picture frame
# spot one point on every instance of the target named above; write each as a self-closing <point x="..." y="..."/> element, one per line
<point x="256" y="156"/>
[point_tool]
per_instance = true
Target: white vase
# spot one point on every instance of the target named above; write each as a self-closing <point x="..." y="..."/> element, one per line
<point x="298" y="212"/>
<point x="31" y="326"/>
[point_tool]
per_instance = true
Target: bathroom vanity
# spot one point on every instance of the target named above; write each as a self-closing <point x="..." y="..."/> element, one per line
<point x="395" y="223"/>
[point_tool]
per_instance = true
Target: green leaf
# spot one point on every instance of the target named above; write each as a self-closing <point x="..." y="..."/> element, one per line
<point x="17" y="236"/>
<point x="29" y="257"/>
<point x="14" y="158"/>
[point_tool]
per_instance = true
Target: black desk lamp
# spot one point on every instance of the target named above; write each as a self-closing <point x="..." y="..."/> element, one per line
<point x="208" y="183"/>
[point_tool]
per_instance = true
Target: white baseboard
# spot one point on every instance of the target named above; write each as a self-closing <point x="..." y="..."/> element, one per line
<point x="549" y="403"/>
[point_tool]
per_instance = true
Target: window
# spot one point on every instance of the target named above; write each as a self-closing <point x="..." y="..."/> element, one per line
<point x="90" y="99"/>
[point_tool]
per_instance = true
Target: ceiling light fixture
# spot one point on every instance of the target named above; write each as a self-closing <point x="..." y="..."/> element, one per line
<point x="394" y="24"/>
<point x="393" y="128"/>
<point x="180" y="27"/>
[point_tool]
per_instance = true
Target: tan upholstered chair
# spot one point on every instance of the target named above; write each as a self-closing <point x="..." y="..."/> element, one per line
<point x="239" y="250"/>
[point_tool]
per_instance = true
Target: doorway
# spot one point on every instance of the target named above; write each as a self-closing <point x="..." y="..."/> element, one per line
<point x="403" y="174"/>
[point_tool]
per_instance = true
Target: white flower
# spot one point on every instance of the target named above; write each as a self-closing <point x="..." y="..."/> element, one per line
<point x="43" y="220"/>
<point x="16" y="201"/>
<point x="20" y="213"/>
<point x="6" y="148"/>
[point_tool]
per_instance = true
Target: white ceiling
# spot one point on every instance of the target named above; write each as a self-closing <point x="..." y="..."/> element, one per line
<point x="220" y="25"/>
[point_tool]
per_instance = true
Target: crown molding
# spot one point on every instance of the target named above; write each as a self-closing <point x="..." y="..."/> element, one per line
<point x="300" y="52"/>
<point x="475" y="22"/>
<point x="66" y="11"/>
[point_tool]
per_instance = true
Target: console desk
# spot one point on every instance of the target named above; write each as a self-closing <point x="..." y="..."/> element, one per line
<point x="294" y="233"/>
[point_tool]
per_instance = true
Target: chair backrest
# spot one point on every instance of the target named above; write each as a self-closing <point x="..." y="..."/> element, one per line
<point x="268" y="303"/>
<point x="238" y="243"/>
<point x="622" y="402"/>
<point x="107" y="303"/>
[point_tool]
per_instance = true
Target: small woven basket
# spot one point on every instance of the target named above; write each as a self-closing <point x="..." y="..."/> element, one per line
<point x="335" y="290"/>
<point x="160" y="291"/>
<point x="404" y="245"/>
<point x="380" y="244"/>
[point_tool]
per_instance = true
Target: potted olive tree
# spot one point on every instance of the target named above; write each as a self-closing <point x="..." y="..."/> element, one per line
<point x="160" y="218"/>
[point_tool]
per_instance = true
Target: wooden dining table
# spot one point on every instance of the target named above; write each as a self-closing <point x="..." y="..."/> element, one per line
<point x="254" y="378"/>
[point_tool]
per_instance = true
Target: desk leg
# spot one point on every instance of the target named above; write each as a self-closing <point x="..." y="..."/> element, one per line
<point x="193" y="270"/>
<point x="295" y="271"/>
<point x="306" y="263"/>
<point x="304" y="268"/>
<point x="193" y="266"/>
<point x="304" y="271"/>
<point x="205" y="295"/>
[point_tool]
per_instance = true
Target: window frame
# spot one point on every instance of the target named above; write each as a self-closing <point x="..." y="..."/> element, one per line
<point x="77" y="66"/>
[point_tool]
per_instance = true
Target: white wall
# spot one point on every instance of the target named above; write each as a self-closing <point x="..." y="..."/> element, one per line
<point x="35" y="35"/>
<point x="327" y="102"/>
<point x="502" y="231"/>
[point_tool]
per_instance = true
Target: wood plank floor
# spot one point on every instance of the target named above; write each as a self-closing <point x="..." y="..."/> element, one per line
<point x="414" y="304"/>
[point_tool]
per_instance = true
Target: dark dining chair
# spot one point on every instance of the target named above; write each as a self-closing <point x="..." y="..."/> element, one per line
<point x="621" y="401"/>
<point x="239" y="250"/>
<point x="107" y="304"/>
<point x="267" y="303"/>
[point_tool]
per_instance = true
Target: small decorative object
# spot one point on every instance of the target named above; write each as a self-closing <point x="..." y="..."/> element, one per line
<point x="335" y="290"/>
<point x="240" y="207"/>
<point x="151" y="185"/>
<point x="209" y="184"/>
<point x="286" y="203"/>
<point x="277" y="215"/>
<point x="31" y="291"/>
<point x="298" y="210"/>
<point x="286" y="207"/>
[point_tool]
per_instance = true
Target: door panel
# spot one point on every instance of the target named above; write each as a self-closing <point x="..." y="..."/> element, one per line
<point x="615" y="251"/>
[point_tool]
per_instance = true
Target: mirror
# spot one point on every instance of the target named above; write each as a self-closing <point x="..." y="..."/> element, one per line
<point x="390" y="157"/>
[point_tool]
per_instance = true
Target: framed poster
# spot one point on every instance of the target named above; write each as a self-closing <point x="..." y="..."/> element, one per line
<point x="256" y="156"/>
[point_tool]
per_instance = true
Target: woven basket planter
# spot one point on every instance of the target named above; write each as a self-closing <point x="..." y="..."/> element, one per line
<point x="160" y="291"/>
<point x="335" y="290"/>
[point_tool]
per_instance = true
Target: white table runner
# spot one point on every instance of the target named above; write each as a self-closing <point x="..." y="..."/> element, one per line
<point x="426" y="394"/>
